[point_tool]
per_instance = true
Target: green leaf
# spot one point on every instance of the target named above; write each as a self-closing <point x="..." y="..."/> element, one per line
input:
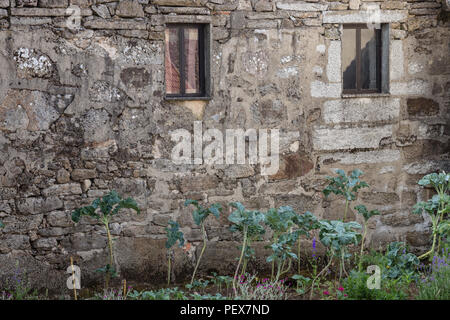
<point x="174" y="235"/>
<point x="108" y="205"/>
<point x="362" y="210"/>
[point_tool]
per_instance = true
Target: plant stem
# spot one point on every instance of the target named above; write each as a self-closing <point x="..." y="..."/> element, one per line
<point x="286" y="270"/>
<point x="111" y="257"/>
<point x="362" y="246"/>
<point x="435" y="221"/>
<point x="273" y="261"/>
<point x="298" y="256"/>
<point x="346" y="209"/>
<point x="240" y="259"/>
<point x="244" y="266"/>
<point x="320" y="273"/>
<point x="168" y="270"/>
<point x="201" y="253"/>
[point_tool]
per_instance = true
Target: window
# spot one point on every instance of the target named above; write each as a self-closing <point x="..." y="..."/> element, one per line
<point x="186" y="65"/>
<point x="364" y="59"/>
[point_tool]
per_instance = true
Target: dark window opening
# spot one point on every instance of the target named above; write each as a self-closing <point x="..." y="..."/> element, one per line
<point x="185" y="62"/>
<point x="361" y="59"/>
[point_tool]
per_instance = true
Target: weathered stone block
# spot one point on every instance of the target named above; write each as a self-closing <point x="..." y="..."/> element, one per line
<point x="354" y="4"/>
<point x="361" y="110"/>
<point x="325" y="90"/>
<point x="130" y="9"/>
<point x="59" y="219"/>
<point x="181" y="3"/>
<point x="380" y="198"/>
<point x="102" y="11"/>
<point x="45" y="243"/>
<point x="292" y="166"/>
<point x="53" y="3"/>
<point x="350" y="138"/>
<point x="299" y="202"/>
<point x="263" y="6"/>
<point x="4" y="3"/>
<point x="119" y="24"/>
<point x="422" y="107"/>
<point x="38" y="205"/>
<point x="386" y="16"/>
<point x="82" y="174"/>
<point x="14" y="242"/>
<point x="377" y="156"/>
<point x="301" y="6"/>
<point x="26" y="3"/>
<point x="413" y="87"/>
<point x="198" y="183"/>
<point x="63" y="176"/>
<point x="62" y="189"/>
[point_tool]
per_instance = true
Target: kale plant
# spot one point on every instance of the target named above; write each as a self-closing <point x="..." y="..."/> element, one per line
<point x="347" y="186"/>
<point x="173" y="235"/>
<point x="437" y="207"/>
<point x="103" y="209"/>
<point x="199" y="215"/>
<point x="362" y="210"/>
<point x="248" y="223"/>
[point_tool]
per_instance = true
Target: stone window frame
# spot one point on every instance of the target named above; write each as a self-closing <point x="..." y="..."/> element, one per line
<point x="385" y="69"/>
<point x="207" y="42"/>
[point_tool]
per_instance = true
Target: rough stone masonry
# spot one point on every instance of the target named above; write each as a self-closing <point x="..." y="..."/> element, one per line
<point x="83" y="112"/>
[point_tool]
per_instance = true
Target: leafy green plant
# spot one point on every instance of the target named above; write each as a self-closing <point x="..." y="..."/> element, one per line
<point x="305" y="224"/>
<point x="219" y="281"/>
<point x="336" y="236"/>
<point x="437" y="207"/>
<point x="202" y="284"/>
<point x="103" y="209"/>
<point x="199" y="215"/>
<point x="1" y="224"/>
<point x="282" y="252"/>
<point x="399" y="261"/>
<point x="161" y="294"/>
<point x="347" y="186"/>
<point x="396" y="262"/>
<point x="302" y="283"/>
<point x="280" y="221"/>
<point x="362" y="210"/>
<point x="217" y="296"/>
<point x="248" y="223"/>
<point x="356" y="288"/>
<point x="173" y="235"/>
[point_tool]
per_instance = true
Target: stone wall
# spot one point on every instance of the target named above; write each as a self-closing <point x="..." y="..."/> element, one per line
<point x="83" y="112"/>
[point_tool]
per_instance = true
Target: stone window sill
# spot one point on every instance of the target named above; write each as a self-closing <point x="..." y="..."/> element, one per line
<point x="364" y="95"/>
<point x="187" y="98"/>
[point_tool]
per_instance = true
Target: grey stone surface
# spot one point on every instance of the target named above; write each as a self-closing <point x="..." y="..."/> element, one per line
<point x="83" y="111"/>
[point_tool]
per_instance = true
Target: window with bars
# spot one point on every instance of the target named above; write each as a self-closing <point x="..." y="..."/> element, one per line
<point x="186" y="60"/>
<point x="364" y="60"/>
